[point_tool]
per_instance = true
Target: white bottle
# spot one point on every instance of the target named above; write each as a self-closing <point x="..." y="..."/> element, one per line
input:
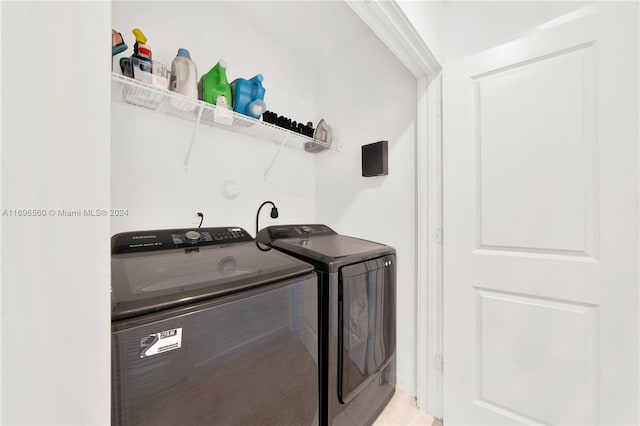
<point x="183" y="75"/>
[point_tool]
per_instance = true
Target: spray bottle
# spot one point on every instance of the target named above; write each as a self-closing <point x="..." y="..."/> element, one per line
<point x="141" y="52"/>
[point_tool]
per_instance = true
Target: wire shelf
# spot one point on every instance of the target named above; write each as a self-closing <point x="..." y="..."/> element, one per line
<point x="135" y="92"/>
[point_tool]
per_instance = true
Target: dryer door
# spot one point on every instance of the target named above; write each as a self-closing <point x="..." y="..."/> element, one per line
<point x="366" y="314"/>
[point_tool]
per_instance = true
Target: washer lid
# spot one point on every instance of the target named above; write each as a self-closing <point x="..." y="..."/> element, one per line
<point x="148" y="281"/>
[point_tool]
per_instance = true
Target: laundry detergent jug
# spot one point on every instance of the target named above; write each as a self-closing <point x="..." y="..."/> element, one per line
<point x="215" y="84"/>
<point x="183" y="75"/>
<point x="248" y="96"/>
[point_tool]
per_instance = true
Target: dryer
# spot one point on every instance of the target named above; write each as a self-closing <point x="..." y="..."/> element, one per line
<point x="357" y="314"/>
<point x="207" y="329"/>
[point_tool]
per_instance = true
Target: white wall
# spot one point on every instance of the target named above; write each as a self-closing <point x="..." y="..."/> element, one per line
<point x="148" y="149"/>
<point x="55" y="270"/>
<point x="368" y="96"/>
<point x="149" y="179"/>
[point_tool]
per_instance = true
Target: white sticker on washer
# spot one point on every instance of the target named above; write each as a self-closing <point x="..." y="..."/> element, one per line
<point x="158" y="343"/>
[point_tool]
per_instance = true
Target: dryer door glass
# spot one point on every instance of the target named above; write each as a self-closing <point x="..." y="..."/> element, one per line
<point x="366" y="305"/>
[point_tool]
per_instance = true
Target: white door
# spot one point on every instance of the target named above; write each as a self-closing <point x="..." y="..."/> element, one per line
<point x="541" y="220"/>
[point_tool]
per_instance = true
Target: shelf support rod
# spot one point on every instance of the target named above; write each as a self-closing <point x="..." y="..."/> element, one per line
<point x="193" y="137"/>
<point x="273" y="160"/>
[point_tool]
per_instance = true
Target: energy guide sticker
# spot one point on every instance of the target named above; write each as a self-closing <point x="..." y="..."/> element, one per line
<point x="158" y="343"/>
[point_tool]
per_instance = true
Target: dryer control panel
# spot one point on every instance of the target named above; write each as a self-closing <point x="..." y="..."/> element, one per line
<point x="279" y="232"/>
<point x="165" y="239"/>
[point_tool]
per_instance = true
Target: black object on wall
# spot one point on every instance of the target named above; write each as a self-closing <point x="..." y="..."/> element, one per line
<point x="374" y="159"/>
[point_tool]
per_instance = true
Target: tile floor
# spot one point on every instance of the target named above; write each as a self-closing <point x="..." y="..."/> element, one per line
<point x="402" y="410"/>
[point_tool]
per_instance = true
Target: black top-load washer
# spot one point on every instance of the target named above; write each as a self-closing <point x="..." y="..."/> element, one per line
<point x="357" y="311"/>
<point x="207" y="329"/>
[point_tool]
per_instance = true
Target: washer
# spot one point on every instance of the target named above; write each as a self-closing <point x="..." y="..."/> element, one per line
<point x="207" y="329"/>
<point x="357" y="280"/>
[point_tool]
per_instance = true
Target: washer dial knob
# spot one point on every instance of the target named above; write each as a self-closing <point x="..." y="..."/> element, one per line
<point x="192" y="236"/>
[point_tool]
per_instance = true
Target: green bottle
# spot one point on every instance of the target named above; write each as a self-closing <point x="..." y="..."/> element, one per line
<point x="214" y="84"/>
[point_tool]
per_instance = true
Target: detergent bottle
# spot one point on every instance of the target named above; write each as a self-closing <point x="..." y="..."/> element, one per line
<point x="215" y="84"/>
<point x="183" y="75"/>
<point x="248" y="96"/>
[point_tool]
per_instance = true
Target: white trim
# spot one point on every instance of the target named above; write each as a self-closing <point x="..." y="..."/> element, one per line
<point x="432" y="301"/>
<point x="430" y="237"/>
<point x="423" y="365"/>
<point x="387" y="20"/>
<point x="1" y="220"/>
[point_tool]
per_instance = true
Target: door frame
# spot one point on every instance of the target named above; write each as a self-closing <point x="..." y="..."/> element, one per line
<point x="391" y="25"/>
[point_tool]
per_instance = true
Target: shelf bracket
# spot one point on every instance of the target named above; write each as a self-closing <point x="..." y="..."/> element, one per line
<point x="193" y="137"/>
<point x="273" y="160"/>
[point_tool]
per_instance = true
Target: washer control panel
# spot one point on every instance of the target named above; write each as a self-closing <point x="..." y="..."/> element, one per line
<point x="131" y="242"/>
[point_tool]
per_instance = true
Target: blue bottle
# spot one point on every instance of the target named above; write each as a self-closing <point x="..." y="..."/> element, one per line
<point x="248" y="96"/>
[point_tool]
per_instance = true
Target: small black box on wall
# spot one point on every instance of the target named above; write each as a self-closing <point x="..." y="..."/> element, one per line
<point x="374" y="159"/>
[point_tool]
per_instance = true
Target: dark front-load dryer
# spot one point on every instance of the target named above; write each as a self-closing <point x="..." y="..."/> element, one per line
<point x="209" y="330"/>
<point x="357" y="318"/>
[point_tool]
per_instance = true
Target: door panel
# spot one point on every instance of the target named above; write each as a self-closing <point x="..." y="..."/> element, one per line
<point x="547" y="346"/>
<point x="551" y="171"/>
<point x="541" y="221"/>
